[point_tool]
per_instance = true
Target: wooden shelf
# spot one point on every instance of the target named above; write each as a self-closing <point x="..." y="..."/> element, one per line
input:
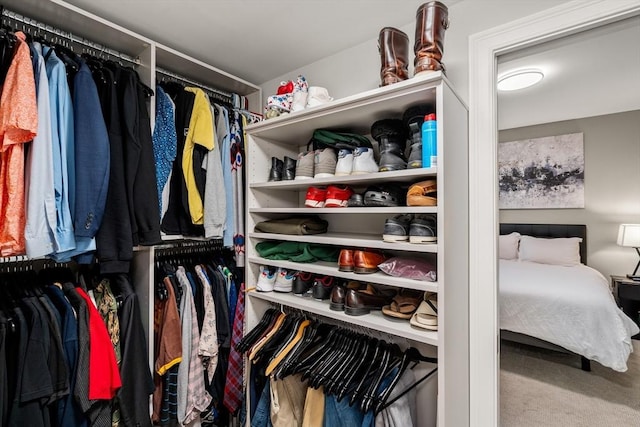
<point x="331" y="269"/>
<point x="374" y="320"/>
<point x="347" y="210"/>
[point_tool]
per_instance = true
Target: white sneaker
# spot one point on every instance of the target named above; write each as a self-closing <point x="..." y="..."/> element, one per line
<point x="345" y="162"/>
<point x="266" y="280"/>
<point x="363" y="161"/>
<point x="284" y="280"/>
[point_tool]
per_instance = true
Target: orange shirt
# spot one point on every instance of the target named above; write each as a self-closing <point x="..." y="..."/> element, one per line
<point x="18" y="124"/>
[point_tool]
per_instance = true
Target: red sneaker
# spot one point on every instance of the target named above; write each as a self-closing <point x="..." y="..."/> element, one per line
<point x="338" y="196"/>
<point x="315" y="197"/>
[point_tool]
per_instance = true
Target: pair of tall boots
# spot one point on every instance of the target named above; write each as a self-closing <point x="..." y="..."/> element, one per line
<point x="393" y="45"/>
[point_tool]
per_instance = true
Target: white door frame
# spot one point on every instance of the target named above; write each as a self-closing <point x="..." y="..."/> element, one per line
<point x="484" y="48"/>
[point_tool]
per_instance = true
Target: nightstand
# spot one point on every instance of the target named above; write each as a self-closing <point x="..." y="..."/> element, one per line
<point x="627" y="292"/>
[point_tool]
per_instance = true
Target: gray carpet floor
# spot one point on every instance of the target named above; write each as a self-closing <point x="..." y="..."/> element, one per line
<point x="545" y="389"/>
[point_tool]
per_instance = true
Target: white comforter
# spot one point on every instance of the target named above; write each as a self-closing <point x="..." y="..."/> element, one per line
<point x="568" y="306"/>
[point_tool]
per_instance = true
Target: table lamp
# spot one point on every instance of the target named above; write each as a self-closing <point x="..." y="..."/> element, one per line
<point x="629" y="236"/>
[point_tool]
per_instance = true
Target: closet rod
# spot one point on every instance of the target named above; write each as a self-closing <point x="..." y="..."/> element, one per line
<point x="194" y="83"/>
<point x="39" y="26"/>
<point x="213" y="244"/>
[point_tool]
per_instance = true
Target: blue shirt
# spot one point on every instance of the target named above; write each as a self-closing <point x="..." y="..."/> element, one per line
<point x="62" y="144"/>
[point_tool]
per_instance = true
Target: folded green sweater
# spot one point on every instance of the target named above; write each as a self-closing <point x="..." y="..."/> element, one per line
<point x="297" y="251"/>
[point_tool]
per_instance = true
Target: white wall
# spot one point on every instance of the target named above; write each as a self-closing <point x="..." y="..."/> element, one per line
<point x="358" y="69"/>
<point x="612" y="190"/>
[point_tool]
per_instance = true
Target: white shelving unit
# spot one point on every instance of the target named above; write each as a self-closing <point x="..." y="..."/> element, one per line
<point x="361" y="227"/>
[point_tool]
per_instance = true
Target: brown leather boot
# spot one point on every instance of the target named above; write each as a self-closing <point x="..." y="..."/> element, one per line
<point x="393" y="46"/>
<point x="431" y="22"/>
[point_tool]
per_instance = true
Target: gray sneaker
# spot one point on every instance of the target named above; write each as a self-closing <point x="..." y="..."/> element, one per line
<point x="423" y="229"/>
<point x="304" y="165"/>
<point x="325" y="161"/>
<point x="396" y="229"/>
<point x="415" y="156"/>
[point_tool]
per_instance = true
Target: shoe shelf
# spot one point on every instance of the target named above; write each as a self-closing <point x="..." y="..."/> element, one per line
<point x="375" y="320"/>
<point x="360" y="240"/>
<point x="347" y="210"/>
<point x="406" y="176"/>
<point x="331" y="269"/>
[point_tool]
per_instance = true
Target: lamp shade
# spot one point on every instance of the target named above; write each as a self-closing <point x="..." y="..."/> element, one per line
<point x="629" y="235"/>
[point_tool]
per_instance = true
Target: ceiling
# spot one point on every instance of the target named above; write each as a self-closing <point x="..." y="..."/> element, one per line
<point x="260" y="39"/>
<point x="592" y="73"/>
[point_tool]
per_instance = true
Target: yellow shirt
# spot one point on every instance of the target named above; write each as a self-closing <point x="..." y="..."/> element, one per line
<point x="201" y="132"/>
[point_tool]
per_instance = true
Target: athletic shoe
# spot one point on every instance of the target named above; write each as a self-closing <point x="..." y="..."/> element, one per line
<point x="396" y="229"/>
<point x="304" y="165"/>
<point x="324" y="164"/>
<point x="316" y="197"/>
<point x="302" y="284"/>
<point x="415" y="156"/>
<point x="345" y="162"/>
<point x="267" y="279"/>
<point x="423" y="229"/>
<point x="363" y="161"/>
<point x="284" y="280"/>
<point x="322" y="286"/>
<point x="383" y="196"/>
<point x="356" y="200"/>
<point x="337" y="196"/>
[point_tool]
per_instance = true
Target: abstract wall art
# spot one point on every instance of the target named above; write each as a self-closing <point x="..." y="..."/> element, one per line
<point x="542" y="173"/>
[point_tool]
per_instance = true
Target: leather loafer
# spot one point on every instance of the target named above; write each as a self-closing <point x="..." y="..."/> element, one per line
<point x="338" y="294"/>
<point x="345" y="260"/>
<point x="366" y="261"/>
<point x="362" y="301"/>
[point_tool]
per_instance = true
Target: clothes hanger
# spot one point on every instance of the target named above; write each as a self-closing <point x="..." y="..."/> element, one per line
<point x="390" y="363"/>
<point x="281" y="338"/>
<point x="357" y="351"/>
<point x="277" y="324"/>
<point x="410" y="355"/>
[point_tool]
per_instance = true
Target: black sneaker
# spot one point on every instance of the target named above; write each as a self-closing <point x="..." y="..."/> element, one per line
<point x="396" y="229"/>
<point x="302" y="284"/>
<point x="322" y="287"/>
<point x="423" y="229"/>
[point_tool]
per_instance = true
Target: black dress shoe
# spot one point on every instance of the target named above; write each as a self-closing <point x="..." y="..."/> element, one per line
<point x="275" y="174"/>
<point x="289" y="171"/>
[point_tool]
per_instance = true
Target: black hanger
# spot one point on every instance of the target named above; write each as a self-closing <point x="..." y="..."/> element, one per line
<point x="410" y="355"/>
<point x="252" y="337"/>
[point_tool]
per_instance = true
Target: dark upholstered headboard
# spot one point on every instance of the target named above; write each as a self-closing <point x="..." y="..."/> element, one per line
<point x="551" y="231"/>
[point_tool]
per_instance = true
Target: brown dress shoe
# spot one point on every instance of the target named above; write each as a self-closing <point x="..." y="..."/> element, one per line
<point x="345" y="260"/>
<point x="338" y="294"/>
<point x="361" y="301"/>
<point x="366" y="261"/>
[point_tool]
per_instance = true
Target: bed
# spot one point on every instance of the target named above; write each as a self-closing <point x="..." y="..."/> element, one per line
<point x="558" y="302"/>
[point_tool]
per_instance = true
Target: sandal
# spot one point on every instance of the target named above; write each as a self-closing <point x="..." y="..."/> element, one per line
<point x="403" y="305"/>
<point x="426" y="316"/>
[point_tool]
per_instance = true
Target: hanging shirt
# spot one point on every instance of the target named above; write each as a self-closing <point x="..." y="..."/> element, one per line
<point x="200" y="133"/>
<point x="62" y="139"/>
<point x="222" y="127"/>
<point x="18" y="125"/>
<point x="164" y="141"/>
<point x="215" y="202"/>
<point x="40" y="191"/>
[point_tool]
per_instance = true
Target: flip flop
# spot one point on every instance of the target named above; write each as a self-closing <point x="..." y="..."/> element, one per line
<point x="402" y="306"/>
<point x="426" y="316"/>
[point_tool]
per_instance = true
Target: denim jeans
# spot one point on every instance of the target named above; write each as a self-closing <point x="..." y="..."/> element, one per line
<point x="262" y="416"/>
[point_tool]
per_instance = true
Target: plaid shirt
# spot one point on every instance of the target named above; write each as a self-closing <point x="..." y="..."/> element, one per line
<point x="235" y="373"/>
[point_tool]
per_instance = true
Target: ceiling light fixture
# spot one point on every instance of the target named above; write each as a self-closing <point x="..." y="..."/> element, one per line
<point x="519" y="79"/>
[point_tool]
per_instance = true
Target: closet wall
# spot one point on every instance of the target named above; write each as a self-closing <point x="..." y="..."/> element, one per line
<point x="360" y="65"/>
<point x="57" y="14"/>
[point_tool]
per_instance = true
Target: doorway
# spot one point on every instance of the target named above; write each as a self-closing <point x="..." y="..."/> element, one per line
<point x="485" y="48"/>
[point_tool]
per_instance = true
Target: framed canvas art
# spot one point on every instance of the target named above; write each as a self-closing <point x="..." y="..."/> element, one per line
<point x="542" y="173"/>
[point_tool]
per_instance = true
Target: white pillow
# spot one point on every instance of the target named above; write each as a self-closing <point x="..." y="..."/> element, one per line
<point x="559" y="251"/>
<point x="508" y="245"/>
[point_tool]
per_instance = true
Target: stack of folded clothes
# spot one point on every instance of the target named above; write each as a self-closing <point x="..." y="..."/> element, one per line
<point x="299" y="225"/>
<point x="297" y="251"/>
